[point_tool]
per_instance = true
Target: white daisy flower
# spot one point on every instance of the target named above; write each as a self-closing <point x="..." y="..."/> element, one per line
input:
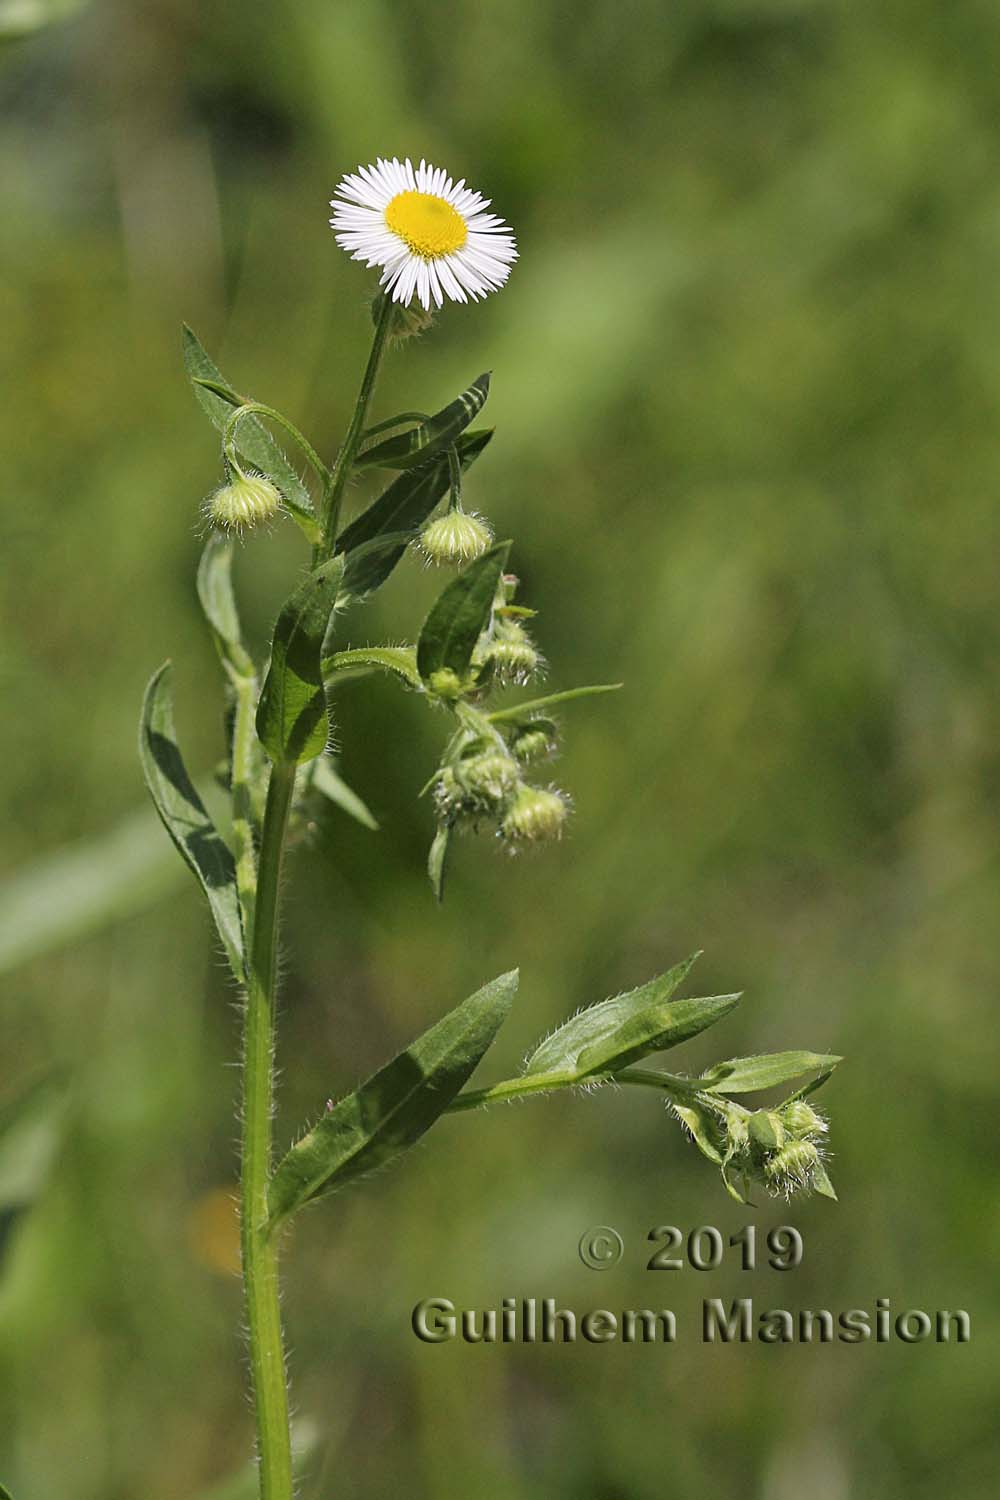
<point x="432" y="237"/>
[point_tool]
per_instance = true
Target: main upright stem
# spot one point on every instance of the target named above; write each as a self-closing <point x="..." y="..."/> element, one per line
<point x="260" y="1266"/>
<point x="348" y="449"/>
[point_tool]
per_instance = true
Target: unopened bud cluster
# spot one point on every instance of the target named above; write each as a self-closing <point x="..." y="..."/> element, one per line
<point x="780" y="1148"/>
<point x="483" y="779"/>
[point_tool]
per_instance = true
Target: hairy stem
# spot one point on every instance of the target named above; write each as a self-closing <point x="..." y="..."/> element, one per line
<point x="545" y="1083"/>
<point x="349" y="447"/>
<point x="260" y="1264"/>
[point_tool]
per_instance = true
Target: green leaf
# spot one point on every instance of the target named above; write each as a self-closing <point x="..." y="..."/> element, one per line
<point x="291" y="715"/>
<point x="367" y="566"/>
<point x="401" y="661"/>
<point x="519" y="711"/>
<point x="5" y="1493"/>
<point x="437" y="859"/>
<point x="608" y="1035"/>
<point x="459" y="616"/>
<point x="745" y="1075"/>
<point x="403" y="508"/>
<point x="431" y="437"/>
<point x="393" y="1109"/>
<point x="662" y="1026"/>
<point x="253" y="440"/>
<point x="821" y="1182"/>
<point x="704" y="1128"/>
<point x="218" y="603"/>
<point x="184" y="816"/>
<point x="327" y="779"/>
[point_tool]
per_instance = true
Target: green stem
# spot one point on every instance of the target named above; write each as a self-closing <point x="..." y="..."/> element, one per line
<point x="545" y="1083"/>
<point x="257" y="408"/>
<point x="260" y="1262"/>
<point x="349" y="447"/>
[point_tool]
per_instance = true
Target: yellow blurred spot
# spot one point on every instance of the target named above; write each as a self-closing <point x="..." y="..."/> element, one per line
<point x="213" y="1230"/>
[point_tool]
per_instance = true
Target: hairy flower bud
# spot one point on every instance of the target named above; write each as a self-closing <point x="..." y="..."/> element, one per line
<point x="530" y="743"/>
<point x="791" y="1168"/>
<point x="535" y="814"/>
<point x="446" y="684"/>
<point x="455" y="538"/>
<point x="512" y="653"/>
<point x="802" y="1121"/>
<point x="488" y="779"/>
<point x="248" y="500"/>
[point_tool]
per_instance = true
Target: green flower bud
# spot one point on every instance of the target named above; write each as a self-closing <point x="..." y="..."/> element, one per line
<point x="488" y="779"/>
<point x="530" y="744"/>
<point x="445" y="684"/>
<point x="248" y="500"/>
<point x="512" y="652"/>
<point x="802" y="1121"/>
<point x="455" y="538"/>
<point x="790" y="1169"/>
<point x="534" y="815"/>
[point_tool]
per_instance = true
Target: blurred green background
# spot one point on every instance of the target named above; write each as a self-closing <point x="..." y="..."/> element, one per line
<point x="747" y="392"/>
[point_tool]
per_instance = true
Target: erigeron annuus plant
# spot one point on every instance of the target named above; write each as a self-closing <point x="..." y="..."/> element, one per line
<point x="434" y="240"/>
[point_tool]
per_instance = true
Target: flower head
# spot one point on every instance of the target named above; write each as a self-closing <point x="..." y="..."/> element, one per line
<point x="455" y="537"/>
<point x="432" y="237"/>
<point x="248" y="500"/>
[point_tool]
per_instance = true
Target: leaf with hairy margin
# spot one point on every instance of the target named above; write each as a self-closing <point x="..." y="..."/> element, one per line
<point x="395" y="1107"/>
<point x="184" y="816"/>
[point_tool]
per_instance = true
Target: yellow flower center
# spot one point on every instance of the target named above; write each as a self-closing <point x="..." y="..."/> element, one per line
<point x="429" y="225"/>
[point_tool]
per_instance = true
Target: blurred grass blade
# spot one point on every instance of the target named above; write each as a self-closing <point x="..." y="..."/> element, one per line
<point x="30" y="1132"/>
<point x="394" y="1108"/>
<point x="253" y="440"/>
<point x="519" y="711"/>
<point x="403" y="508"/>
<point x="459" y="616"/>
<point x="328" y="780"/>
<point x="218" y="603"/>
<point x="184" y="815"/>
<point x="431" y="437"/>
<point x="745" y="1075"/>
<point x="615" y="1031"/>
<point x="291" y="716"/>
<point x="401" y="661"/>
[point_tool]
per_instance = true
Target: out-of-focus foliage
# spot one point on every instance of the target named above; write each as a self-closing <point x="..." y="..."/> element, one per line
<point x="747" y="395"/>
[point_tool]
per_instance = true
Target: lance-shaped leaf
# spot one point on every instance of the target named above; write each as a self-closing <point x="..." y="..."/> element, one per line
<point x="291" y="715"/>
<point x="400" y="661"/>
<point x="460" y="615"/>
<point x="607" y="1036"/>
<point x="437" y="859"/>
<point x="521" y="712"/>
<point x="5" y="1493"/>
<point x="328" y="780"/>
<point x="745" y="1075"/>
<point x="393" y="1109"/>
<point x="218" y="603"/>
<point x="402" y="509"/>
<point x="184" y="816"/>
<point x="253" y="440"/>
<point x="430" y="437"/>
